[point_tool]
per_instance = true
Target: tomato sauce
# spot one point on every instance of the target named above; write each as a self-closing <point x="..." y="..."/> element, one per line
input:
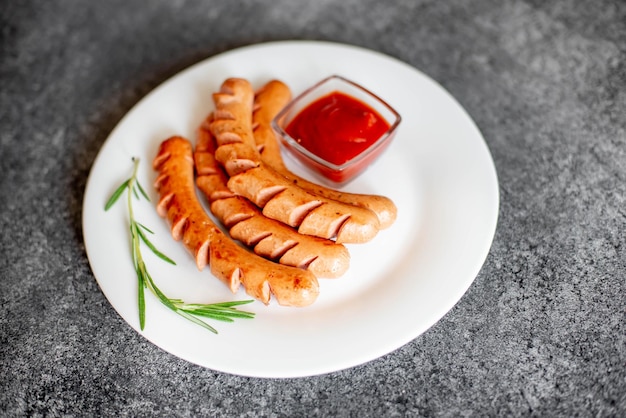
<point x="337" y="127"/>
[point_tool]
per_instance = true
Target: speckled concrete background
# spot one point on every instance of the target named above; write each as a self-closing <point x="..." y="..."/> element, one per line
<point x="542" y="331"/>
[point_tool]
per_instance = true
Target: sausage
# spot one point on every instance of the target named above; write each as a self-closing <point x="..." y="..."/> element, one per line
<point x="311" y="214"/>
<point x="229" y="262"/>
<point x="279" y="198"/>
<point x="267" y="237"/>
<point x="268" y="101"/>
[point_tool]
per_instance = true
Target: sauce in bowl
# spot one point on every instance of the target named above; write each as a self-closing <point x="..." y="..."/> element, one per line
<point x="337" y="127"/>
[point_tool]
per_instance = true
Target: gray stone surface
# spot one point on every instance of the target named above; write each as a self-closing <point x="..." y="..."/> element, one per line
<point x="542" y="330"/>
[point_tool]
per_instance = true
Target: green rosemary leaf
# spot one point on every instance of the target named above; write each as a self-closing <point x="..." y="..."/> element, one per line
<point x="145" y="228"/>
<point x="157" y="292"/>
<point x="135" y="190"/>
<point x="230" y="315"/>
<point x="220" y="316"/>
<point x="143" y="192"/>
<point x="231" y="303"/>
<point x="196" y="321"/>
<point x="216" y="310"/>
<point x="116" y="195"/>
<point x="153" y="248"/>
<point x="214" y="317"/>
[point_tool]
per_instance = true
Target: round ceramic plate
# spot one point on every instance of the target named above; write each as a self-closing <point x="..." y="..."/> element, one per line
<point x="438" y="171"/>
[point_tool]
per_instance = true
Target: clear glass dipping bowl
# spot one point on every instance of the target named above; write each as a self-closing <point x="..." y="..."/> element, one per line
<point x="333" y="173"/>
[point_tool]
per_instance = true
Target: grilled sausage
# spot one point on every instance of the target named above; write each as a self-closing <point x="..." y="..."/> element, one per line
<point x="229" y="262"/>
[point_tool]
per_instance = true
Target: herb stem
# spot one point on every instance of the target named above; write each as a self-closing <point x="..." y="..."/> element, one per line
<point x="222" y="311"/>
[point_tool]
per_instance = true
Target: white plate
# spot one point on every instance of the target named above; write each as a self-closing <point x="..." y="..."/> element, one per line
<point x="438" y="171"/>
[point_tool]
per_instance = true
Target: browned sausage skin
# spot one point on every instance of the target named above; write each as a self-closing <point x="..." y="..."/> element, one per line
<point x="267" y="237"/>
<point x="268" y="101"/>
<point x="229" y="262"/>
<point x="279" y="198"/>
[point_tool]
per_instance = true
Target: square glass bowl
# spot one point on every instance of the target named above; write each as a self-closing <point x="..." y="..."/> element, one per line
<point x="343" y="172"/>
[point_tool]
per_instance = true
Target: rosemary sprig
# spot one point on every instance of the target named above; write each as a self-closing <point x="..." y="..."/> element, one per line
<point x="223" y="311"/>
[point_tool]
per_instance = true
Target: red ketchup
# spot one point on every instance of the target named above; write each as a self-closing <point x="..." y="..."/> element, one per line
<point x="338" y="128"/>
